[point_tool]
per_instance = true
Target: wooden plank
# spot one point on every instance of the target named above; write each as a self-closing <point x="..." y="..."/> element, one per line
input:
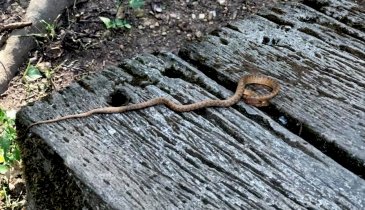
<point x="347" y="12"/>
<point x="319" y="62"/>
<point x="217" y="158"/>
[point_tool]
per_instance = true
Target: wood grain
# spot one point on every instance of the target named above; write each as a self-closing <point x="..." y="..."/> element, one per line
<point x="217" y="158"/>
<point x="228" y="158"/>
<point x="320" y="63"/>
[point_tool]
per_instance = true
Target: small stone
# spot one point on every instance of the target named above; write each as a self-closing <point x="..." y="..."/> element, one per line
<point x="193" y="16"/>
<point x="106" y="34"/>
<point x="147" y="22"/>
<point x="156" y="7"/>
<point x="286" y="28"/>
<point x="221" y="2"/>
<point x="201" y="16"/>
<point x="120" y="12"/>
<point x="283" y="120"/>
<point x="234" y="15"/>
<point x="173" y="15"/>
<point x="139" y="13"/>
<point x="198" y="34"/>
<point x="189" y="37"/>
<point x="185" y="26"/>
<point x="212" y="15"/>
<point x="164" y="33"/>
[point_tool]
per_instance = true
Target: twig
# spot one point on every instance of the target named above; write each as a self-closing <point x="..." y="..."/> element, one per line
<point x="3" y="39"/>
<point x="12" y="26"/>
<point x="3" y="65"/>
<point x="300" y="129"/>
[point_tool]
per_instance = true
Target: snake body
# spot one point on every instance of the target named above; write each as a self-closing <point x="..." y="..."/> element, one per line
<point x="241" y="93"/>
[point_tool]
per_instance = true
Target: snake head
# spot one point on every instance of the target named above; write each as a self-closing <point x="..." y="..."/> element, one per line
<point x="250" y="97"/>
<point x="253" y="98"/>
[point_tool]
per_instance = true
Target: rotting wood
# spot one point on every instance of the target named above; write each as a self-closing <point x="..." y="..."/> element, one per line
<point x="319" y="61"/>
<point x="223" y="158"/>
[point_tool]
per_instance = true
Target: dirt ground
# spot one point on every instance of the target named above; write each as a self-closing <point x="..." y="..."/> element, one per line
<point x="82" y="44"/>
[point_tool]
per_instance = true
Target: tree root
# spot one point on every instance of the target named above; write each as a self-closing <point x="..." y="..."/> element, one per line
<point x="15" y="52"/>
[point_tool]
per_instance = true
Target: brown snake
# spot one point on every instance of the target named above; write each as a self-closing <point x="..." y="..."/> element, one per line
<point x="241" y="92"/>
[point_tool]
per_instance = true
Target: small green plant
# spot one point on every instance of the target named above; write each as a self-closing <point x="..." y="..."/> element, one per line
<point x="31" y="73"/>
<point x="9" y="150"/>
<point x="136" y="4"/>
<point x="115" y="23"/>
<point x="50" y="29"/>
<point x="118" y="22"/>
<point x="40" y="70"/>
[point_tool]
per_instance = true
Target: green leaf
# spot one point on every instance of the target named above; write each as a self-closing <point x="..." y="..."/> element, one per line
<point x="119" y="23"/>
<point x="115" y="23"/>
<point x="10" y="131"/>
<point x="107" y="22"/>
<point x="3" y="169"/>
<point x="5" y="145"/>
<point x="5" y="142"/>
<point x="3" y="116"/>
<point x="127" y="25"/>
<point x="136" y="4"/>
<point x="16" y="154"/>
<point x="118" y="2"/>
<point x="48" y="73"/>
<point x="32" y="73"/>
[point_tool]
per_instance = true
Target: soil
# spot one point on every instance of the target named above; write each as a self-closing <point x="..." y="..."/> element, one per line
<point x="82" y="44"/>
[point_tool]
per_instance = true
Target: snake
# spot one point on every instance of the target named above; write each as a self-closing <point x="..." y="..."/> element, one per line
<point x="248" y="96"/>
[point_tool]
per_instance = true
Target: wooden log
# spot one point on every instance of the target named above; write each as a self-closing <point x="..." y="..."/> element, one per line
<point x="217" y="158"/>
<point x="319" y="61"/>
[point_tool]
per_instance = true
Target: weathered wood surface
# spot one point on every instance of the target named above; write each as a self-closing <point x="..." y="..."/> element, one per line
<point x="156" y="158"/>
<point x="319" y="61"/>
<point x="217" y="158"/>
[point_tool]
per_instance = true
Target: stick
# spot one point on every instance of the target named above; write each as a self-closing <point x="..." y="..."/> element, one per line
<point x="12" y="26"/>
<point x="3" y="65"/>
